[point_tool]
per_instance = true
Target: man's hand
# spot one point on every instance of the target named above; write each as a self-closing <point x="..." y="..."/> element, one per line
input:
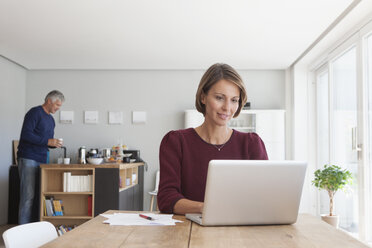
<point x="54" y="143"/>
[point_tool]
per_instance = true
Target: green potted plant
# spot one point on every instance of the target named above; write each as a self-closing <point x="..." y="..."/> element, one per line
<point x="331" y="178"/>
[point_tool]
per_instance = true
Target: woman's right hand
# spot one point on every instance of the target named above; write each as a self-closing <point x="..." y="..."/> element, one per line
<point x="185" y="206"/>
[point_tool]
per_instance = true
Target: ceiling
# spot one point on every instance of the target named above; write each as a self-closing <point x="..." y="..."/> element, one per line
<point x="162" y="34"/>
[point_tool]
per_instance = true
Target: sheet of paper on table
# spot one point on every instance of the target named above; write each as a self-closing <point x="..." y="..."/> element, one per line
<point x="131" y="219"/>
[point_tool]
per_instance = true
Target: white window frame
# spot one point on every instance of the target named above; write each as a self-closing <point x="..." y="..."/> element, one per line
<point x="359" y="40"/>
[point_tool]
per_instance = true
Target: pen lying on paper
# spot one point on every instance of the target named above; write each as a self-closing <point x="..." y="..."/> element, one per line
<point x="146" y="217"/>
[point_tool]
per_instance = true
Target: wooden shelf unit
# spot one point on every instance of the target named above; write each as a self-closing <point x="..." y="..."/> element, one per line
<point x="107" y="192"/>
<point x="75" y="204"/>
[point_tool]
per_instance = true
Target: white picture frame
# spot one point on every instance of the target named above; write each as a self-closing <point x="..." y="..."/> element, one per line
<point x="139" y="117"/>
<point x="66" y="117"/>
<point x="115" y="117"/>
<point x="90" y="117"/>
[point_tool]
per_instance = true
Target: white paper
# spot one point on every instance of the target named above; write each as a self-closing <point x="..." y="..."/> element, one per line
<point x="91" y="117"/>
<point x="66" y="117"/>
<point x="131" y="219"/>
<point x="115" y="117"/>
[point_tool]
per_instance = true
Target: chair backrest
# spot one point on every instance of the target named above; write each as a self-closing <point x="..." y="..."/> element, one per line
<point x="157" y="181"/>
<point x="30" y="235"/>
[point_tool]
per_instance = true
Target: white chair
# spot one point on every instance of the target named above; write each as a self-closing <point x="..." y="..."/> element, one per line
<point x="29" y="235"/>
<point x="154" y="193"/>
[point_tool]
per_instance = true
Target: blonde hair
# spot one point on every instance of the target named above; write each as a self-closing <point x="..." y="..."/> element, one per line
<point x="214" y="74"/>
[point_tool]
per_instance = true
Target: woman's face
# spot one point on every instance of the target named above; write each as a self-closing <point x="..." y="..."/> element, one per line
<point x="221" y="102"/>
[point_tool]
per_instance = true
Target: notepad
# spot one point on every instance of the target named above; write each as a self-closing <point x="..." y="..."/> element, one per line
<point x="131" y="219"/>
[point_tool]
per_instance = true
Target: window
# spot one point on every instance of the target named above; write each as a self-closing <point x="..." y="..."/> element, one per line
<point x="344" y="130"/>
<point x="343" y="124"/>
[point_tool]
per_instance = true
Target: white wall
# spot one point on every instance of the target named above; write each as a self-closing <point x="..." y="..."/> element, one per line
<point x="12" y="110"/>
<point x="164" y="95"/>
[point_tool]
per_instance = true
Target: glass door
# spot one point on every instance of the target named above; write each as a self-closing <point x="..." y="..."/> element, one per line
<point x="344" y="129"/>
<point x="322" y="109"/>
<point x="343" y="126"/>
<point x="337" y="122"/>
<point x="323" y="117"/>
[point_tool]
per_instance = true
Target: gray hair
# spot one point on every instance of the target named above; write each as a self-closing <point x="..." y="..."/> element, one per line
<point x="54" y="95"/>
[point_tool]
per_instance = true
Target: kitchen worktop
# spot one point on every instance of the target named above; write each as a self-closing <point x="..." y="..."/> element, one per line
<point x="104" y="165"/>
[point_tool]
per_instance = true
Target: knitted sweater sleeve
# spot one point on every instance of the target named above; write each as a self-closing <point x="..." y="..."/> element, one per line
<point x="170" y="172"/>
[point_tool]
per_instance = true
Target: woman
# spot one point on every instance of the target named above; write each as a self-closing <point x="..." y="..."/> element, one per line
<point x="185" y="154"/>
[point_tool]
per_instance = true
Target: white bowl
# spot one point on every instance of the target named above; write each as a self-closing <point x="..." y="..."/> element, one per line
<point x="95" y="160"/>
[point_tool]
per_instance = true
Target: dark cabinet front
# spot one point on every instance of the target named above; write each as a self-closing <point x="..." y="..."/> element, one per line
<point x="109" y="197"/>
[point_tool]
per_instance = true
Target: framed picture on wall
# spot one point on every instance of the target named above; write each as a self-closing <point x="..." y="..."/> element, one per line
<point x="66" y="117"/>
<point x="90" y="117"/>
<point x="115" y="117"/>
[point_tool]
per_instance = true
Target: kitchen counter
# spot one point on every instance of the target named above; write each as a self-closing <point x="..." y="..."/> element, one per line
<point x="104" y="165"/>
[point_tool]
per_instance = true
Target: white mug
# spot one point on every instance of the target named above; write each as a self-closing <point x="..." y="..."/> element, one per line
<point x="66" y="160"/>
<point x="60" y="161"/>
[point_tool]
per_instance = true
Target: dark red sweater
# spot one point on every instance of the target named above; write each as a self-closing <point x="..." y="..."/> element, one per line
<point x="184" y="158"/>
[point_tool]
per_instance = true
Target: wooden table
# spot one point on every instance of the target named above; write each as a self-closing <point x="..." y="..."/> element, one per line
<point x="309" y="231"/>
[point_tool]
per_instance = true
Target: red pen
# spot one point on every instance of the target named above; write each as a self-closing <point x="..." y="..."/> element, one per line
<point x="146" y="217"/>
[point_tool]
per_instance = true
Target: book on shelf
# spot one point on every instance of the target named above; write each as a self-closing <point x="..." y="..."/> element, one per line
<point x="49" y="207"/>
<point x="77" y="183"/>
<point x="57" y="207"/>
<point x="52" y="207"/>
<point x="44" y="207"/>
<point x="89" y="205"/>
<point x="62" y="208"/>
<point x="62" y="229"/>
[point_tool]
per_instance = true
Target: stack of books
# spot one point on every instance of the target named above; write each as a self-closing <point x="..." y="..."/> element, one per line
<point x="77" y="183"/>
<point x="62" y="229"/>
<point x="53" y="207"/>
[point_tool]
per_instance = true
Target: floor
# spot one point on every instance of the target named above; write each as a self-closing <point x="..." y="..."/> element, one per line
<point x="3" y="228"/>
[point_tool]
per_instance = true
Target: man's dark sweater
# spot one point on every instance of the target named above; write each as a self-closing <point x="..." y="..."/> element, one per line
<point x="38" y="127"/>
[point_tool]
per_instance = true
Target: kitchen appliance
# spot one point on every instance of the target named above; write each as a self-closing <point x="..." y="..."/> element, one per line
<point x="93" y="153"/>
<point x="106" y="153"/>
<point x="82" y="155"/>
<point x="135" y="154"/>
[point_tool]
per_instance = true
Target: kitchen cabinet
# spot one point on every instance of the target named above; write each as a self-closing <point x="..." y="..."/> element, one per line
<point x="110" y="193"/>
<point x="113" y="186"/>
<point x="269" y="124"/>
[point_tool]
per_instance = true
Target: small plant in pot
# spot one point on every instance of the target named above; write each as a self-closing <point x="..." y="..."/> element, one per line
<point x="331" y="178"/>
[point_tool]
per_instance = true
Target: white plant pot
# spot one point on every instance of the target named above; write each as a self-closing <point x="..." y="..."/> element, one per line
<point x="332" y="220"/>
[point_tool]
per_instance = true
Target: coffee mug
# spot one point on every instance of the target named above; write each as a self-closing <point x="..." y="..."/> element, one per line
<point x="66" y="160"/>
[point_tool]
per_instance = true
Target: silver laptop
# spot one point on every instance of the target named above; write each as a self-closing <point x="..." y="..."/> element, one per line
<point x="251" y="192"/>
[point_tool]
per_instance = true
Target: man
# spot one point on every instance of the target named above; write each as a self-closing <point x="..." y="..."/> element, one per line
<point x="36" y="136"/>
